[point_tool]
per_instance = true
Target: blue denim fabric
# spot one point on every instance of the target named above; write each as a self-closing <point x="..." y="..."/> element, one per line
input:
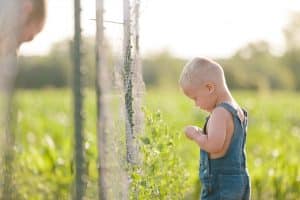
<point x="227" y="178"/>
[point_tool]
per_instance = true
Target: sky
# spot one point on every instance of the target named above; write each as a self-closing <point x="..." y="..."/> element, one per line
<point x="186" y="28"/>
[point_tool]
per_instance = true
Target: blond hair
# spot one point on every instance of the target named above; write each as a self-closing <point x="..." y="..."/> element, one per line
<point x="200" y="70"/>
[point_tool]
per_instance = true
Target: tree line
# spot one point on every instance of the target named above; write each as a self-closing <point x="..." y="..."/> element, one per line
<point x="253" y="67"/>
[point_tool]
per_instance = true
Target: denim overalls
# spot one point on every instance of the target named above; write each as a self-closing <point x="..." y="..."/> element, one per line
<point x="227" y="177"/>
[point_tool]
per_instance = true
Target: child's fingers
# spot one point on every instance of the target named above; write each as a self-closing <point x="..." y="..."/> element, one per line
<point x="190" y="131"/>
<point x="189" y="135"/>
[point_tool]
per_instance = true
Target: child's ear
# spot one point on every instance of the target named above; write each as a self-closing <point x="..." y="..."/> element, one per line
<point x="210" y="87"/>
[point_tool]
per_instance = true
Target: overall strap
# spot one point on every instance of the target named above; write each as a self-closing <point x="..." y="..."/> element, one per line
<point x="245" y="122"/>
<point x="234" y="113"/>
<point x="205" y="125"/>
<point x="229" y="108"/>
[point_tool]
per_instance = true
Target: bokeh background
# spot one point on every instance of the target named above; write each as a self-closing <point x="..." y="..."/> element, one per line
<point x="256" y="41"/>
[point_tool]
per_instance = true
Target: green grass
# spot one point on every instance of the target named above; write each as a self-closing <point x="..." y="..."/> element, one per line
<point x="43" y="166"/>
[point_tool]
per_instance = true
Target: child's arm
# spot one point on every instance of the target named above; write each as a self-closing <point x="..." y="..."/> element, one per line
<point x="216" y="132"/>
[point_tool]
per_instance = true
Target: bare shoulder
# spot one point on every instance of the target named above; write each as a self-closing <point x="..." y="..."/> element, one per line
<point x="220" y="113"/>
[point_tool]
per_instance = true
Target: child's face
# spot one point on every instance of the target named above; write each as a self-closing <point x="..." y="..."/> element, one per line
<point x="201" y="95"/>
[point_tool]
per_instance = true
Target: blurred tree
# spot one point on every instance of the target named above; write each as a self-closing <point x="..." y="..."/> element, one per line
<point x="54" y="69"/>
<point x="162" y="69"/>
<point x="291" y="58"/>
<point x="251" y="67"/>
<point x="254" y="67"/>
<point x="38" y="72"/>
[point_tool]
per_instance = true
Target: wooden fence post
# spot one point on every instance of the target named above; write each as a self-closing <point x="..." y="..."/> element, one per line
<point x="80" y="166"/>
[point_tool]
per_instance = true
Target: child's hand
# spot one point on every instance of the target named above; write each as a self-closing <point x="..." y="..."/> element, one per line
<point x="192" y="131"/>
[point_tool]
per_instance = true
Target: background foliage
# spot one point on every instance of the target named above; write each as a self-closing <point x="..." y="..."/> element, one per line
<point x="169" y="169"/>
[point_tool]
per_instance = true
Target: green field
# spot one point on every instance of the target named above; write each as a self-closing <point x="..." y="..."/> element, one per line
<point x="43" y="165"/>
